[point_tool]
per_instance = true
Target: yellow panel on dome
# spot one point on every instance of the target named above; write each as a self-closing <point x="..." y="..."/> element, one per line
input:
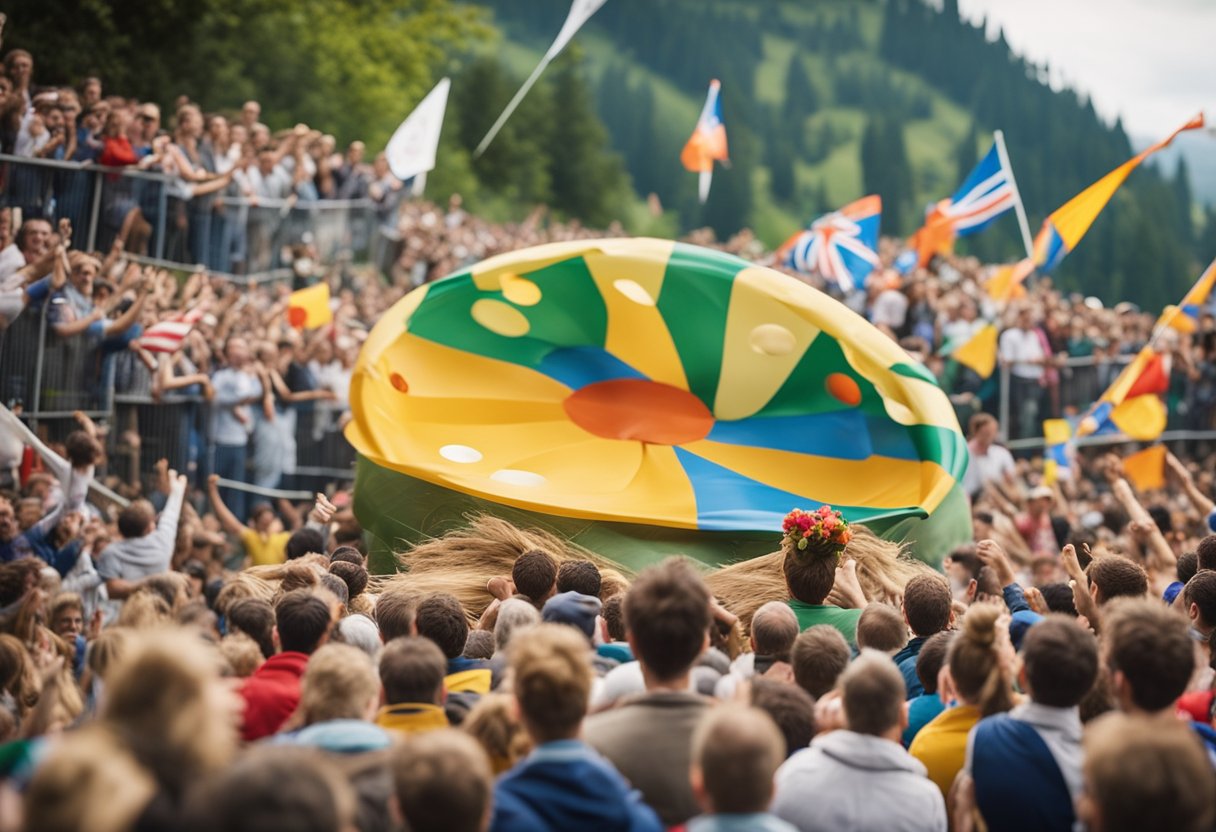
<point x="878" y="482"/>
<point x="637" y="333"/>
<point x="766" y="336"/>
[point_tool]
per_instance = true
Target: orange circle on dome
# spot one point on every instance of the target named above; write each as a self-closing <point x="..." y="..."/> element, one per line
<point x="843" y="388"/>
<point x="641" y="410"/>
<point x="399" y="383"/>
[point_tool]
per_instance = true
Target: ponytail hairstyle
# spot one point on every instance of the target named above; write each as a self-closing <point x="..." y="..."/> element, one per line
<point x="813" y="542"/>
<point x="974" y="659"/>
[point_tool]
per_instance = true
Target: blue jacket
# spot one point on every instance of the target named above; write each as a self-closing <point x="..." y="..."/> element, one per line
<point x="905" y="659"/>
<point x="566" y="785"/>
<point x="1018" y="784"/>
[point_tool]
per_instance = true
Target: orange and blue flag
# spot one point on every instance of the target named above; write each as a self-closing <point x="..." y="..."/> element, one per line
<point x="1065" y="226"/>
<point x="707" y="144"/>
<point x="841" y="247"/>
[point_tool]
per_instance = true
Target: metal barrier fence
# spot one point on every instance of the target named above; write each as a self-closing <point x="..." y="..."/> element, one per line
<point x="156" y="215"/>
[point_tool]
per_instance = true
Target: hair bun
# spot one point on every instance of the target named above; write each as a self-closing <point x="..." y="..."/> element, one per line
<point x="979" y="625"/>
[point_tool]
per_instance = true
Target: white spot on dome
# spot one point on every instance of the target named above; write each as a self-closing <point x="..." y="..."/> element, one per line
<point x="511" y="476"/>
<point x="634" y="291"/>
<point x="460" y="453"/>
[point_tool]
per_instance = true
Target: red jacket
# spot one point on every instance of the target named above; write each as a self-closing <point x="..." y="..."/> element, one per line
<point x="271" y="694"/>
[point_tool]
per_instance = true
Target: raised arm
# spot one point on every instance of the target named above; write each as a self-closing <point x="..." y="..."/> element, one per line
<point x="1198" y="499"/>
<point x="227" y="519"/>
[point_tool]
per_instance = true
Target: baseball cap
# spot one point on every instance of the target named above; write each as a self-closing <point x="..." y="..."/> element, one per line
<point x="573" y="608"/>
<point x="1041" y="491"/>
<point x="1019" y="624"/>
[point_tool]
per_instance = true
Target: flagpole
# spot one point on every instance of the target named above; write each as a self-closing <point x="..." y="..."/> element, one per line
<point x="1027" y="240"/>
<point x="506" y="114"/>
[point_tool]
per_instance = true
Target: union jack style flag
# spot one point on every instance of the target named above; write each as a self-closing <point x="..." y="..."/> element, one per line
<point x="840" y="246"/>
<point x="987" y="193"/>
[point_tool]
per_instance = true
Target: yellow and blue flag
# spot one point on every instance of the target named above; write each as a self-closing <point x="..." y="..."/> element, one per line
<point x="1065" y="226"/>
<point x="1057" y="462"/>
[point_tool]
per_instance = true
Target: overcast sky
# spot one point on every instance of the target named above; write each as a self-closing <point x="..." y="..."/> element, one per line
<point x="1151" y="61"/>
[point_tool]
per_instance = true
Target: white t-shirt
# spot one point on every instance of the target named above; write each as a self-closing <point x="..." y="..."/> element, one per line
<point x="890" y="308"/>
<point x="994" y="465"/>
<point x="1021" y="348"/>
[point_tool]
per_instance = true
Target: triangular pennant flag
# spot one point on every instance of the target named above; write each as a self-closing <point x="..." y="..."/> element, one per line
<point x="979" y="352"/>
<point x="1146" y="469"/>
<point x="707" y="143"/>
<point x="309" y="308"/>
<point x="411" y="150"/>
<point x="1006" y="282"/>
<point x="1140" y="418"/>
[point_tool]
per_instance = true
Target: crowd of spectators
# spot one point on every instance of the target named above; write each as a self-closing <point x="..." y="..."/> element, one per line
<point x="206" y="657"/>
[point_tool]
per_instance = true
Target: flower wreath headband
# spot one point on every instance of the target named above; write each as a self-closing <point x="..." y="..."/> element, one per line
<point x="823" y="531"/>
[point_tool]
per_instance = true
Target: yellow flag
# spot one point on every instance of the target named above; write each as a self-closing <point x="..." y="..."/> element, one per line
<point x="309" y="308"/>
<point x="979" y="353"/>
<point x="1140" y="417"/>
<point x="1006" y="282"/>
<point x="1146" y="469"/>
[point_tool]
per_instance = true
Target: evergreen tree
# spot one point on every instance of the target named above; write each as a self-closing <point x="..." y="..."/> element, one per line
<point x="588" y="181"/>
<point x="885" y="171"/>
<point x="781" y="170"/>
<point x="1207" y="239"/>
<point x="1183" y="201"/>
<point x="966" y="157"/>
<point x="801" y="97"/>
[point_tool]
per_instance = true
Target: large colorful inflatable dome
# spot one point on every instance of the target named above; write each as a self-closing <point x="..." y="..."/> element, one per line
<point x="641" y="394"/>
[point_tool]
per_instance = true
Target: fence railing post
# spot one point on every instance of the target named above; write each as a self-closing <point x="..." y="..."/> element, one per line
<point x="94" y="213"/>
<point x="162" y="208"/>
<point x="38" y="362"/>
<point x="1003" y="405"/>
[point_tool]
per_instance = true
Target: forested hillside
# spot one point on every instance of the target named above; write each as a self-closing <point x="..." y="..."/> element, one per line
<point x="829" y="100"/>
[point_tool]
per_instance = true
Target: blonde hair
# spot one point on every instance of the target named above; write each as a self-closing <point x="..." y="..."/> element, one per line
<point x="339" y="683"/>
<point x="975" y="662"/>
<point x="160" y="703"/>
<point x="493" y="724"/>
<point x="145" y="611"/>
<point x="552" y="680"/>
<point x="241" y="653"/>
<point x="88" y="783"/>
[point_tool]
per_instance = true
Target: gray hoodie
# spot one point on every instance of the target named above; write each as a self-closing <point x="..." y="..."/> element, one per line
<point x="138" y="557"/>
<point x="847" y="780"/>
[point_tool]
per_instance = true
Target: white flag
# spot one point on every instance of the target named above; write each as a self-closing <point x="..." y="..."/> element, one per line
<point x="580" y="13"/>
<point x="411" y="150"/>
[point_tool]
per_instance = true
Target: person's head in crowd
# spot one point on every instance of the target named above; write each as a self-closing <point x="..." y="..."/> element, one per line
<point x="29" y="512"/>
<point x="614" y="617"/>
<point x="274" y="787"/>
<point x="90" y="91"/>
<point x="147" y="120"/>
<point x="535" y="576"/>
<point x="982" y="430"/>
<point x="395" y="609"/>
<point x="1059" y="662"/>
<point x="667" y="621"/>
<point x="1113" y="577"/>
<point x="514" y="615"/>
<point x="337" y="589"/>
<point x="552" y="674"/>
<point x="479" y="645"/>
<point x="411" y="671"/>
<point x="33" y="238"/>
<point x="340" y="682"/>
<point x="443" y="783"/>
<point x="1148" y="655"/>
<point x="355" y="576"/>
<point x="165" y="699"/>
<point x="354" y="152"/>
<point x="19" y="68"/>
<point x="581" y="576"/>
<point x="137" y="520"/>
<point x="573" y="609"/>
<point x="349" y="554"/>
<point x="809" y="574"/>
<point x="1059" y="598"/>
<point x="1199" y="601"/>
<point x="188" y="122"/>
<point x="819" y="655"/>
<point x="82" y="450"/>
<point x="303" y="542"/>
<point x="67" y="615"/>
<point x="9" y="528"/>
<point x="359" y="631"/>
<point x="242" y="654"/>
<point x="174" y="587"/>
<point x="302" y="622"/>
<point x="931" y="659"/>
<point x="87" y="781"/>
<point x="790" y="707"/>
<point x="1144" y="774"/>
<point x="881" y="628"/>
<point x="979" y="663"/>
<point x="736" y="750"/>
<point x="963" y="568"/>
<point x="1043" y="570"/>
<point x="196" y="576"/>
<point x="255" y="618"/>
<point x="1186" y="566"/>
<point x="262" y="517"/>
<point x="773" y="630"/>
<point x="1205" y="552"/>
<point x="441" y="619"/>
<point x="251" y="112"/>
<point x="927" y="605"/>
<point x="872" y="693"/>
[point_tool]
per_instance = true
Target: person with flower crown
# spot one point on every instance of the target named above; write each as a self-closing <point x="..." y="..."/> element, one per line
<point x="813" y="542"/>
